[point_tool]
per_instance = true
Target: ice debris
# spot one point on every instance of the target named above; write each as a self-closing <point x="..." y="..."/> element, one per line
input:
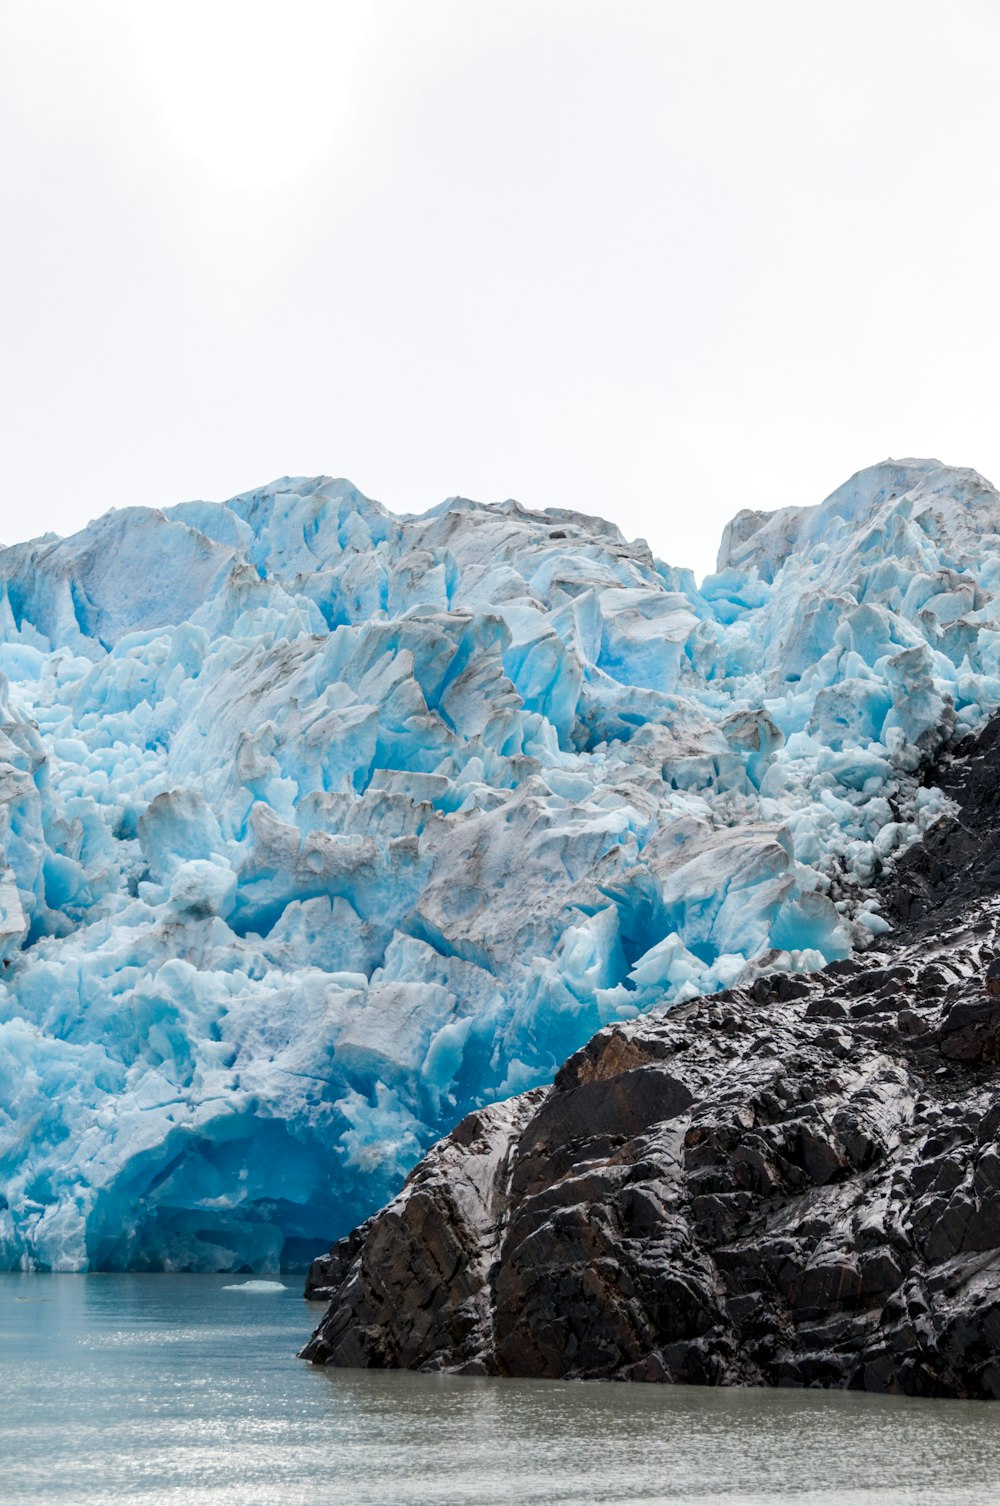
<point x="255" y="1286"/>
<point x="321" y="826"/>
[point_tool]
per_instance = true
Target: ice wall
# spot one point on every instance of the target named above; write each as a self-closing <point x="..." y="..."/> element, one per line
<point x="320" y="826"/>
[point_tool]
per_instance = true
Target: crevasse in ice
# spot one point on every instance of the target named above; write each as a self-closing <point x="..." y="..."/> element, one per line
<point x="321" y="825"/>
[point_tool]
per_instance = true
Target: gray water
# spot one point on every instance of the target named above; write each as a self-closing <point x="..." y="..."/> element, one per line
<point x="172" y="1389"/>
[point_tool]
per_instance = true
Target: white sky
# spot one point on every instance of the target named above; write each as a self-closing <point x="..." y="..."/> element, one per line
<point x="654" y="260"/>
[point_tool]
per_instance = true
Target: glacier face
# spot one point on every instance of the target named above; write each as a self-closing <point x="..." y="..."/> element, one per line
<point x="322" y="826"/>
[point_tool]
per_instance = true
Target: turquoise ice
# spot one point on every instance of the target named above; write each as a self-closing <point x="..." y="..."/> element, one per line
<point x="321" y="826"/>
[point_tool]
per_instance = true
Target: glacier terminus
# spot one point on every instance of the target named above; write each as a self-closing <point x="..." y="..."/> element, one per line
<point x="323" y="826"/>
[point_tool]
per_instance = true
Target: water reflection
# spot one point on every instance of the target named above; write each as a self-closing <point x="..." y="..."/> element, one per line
<point x="170" y="1389"/>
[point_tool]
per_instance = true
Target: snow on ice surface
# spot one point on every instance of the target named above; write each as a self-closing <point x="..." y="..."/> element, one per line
<point x="321" y="826"/>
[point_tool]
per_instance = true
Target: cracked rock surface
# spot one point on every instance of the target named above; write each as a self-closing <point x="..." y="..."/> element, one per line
<point x="792" y="1184"/>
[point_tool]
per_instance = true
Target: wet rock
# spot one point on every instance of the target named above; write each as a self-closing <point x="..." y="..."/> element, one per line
<point x="970" y="1031"/>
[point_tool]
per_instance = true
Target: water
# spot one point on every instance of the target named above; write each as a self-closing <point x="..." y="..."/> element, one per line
<point x="185" y="1391"/>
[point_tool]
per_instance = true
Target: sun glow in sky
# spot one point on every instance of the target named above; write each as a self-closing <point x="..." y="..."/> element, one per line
<point x="254" y="94"/>
<point x="653" y="260"/>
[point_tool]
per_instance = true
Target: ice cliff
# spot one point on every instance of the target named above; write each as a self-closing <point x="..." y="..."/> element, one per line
<point x="323" y="826"/>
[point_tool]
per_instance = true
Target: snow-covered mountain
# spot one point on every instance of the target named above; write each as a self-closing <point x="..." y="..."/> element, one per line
<point x="322" y="826"/>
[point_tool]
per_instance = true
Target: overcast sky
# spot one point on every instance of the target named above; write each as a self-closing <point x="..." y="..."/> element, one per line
<point x="658" y="261"/>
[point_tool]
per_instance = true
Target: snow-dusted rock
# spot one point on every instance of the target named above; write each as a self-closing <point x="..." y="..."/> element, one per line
<point x="322" y="826"/>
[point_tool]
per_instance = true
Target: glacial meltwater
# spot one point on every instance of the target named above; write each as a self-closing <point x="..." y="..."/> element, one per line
<point x="186" y="1390"/>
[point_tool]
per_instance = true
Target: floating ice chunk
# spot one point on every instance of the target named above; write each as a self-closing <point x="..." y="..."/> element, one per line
<point x="255" y="1286"/>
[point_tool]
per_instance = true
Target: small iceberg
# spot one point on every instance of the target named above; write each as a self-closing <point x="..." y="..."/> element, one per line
<point x="256" y="1286"/>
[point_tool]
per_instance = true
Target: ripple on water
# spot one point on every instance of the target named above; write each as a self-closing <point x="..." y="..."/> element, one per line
<point x="164" y="1391"/>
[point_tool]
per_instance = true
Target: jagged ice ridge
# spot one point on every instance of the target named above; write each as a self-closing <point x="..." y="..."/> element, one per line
<point x="323" y="826"/>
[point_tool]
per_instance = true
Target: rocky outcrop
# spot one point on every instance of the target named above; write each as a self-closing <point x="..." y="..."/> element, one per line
<point x="792" y="1184"/>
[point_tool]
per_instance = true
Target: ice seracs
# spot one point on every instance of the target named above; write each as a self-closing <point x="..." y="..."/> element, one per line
<point x="322" y="826"/>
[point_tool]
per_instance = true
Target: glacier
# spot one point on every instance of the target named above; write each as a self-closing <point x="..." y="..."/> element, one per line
<point x="322" y="826"/>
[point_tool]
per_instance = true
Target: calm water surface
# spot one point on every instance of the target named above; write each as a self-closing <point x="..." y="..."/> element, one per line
<point x="171" y="1389"/>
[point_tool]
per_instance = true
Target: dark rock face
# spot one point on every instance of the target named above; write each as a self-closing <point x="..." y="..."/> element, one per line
<point x="958" y="862"/>
<point x="794" y="1184"/>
